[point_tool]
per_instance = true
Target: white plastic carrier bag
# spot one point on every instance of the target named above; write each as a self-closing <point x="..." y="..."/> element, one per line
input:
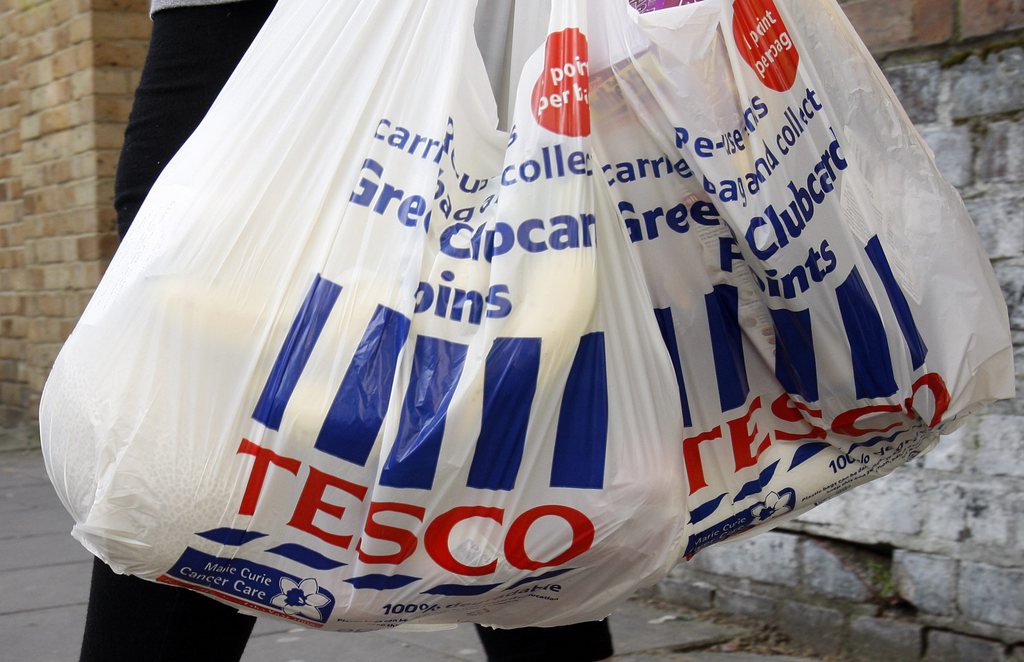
<point x="366" y="361"/>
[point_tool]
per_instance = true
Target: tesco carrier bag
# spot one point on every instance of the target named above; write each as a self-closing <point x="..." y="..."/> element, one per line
<point x="366" y="361"/>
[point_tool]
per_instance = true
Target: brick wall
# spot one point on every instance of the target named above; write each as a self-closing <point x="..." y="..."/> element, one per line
<point x="927" y="563"/>
<point x="67" y="72"/>
<point x="13" y="391"/>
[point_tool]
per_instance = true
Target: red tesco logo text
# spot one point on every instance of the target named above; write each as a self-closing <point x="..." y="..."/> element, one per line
<point x="381" y="527"/>
<point x="747" y="442"/>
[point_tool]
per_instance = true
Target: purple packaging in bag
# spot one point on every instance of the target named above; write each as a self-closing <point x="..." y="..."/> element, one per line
<point x="644" y="6"/>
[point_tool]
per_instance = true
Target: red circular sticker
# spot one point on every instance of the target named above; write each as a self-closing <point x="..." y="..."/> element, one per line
<point x="561" y="97"/>
<point x="765" y="42"/>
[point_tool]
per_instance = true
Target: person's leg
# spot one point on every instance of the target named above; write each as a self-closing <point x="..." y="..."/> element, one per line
<point x="132" y="619"/>
<point x="583" y="642"/>
<point x="192" y="52"/>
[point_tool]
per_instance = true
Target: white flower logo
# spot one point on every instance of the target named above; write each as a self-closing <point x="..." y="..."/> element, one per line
<point x="303" y="599"/>
<point x="768" y="507"/>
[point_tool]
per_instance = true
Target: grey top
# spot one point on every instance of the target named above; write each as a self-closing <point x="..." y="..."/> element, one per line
<point x="157" y="5"/>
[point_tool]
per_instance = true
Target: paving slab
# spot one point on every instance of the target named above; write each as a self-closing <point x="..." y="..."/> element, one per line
<point x="642" y="627"/>
<point x="27" y="497"/>
<point x="743" y="657"/>
<point x="28" y="504"/>
<point x="43" y="635"/>
<point x="460" y="642"/>
<point x="311" y="646"/>
<point x="41" y="550"/>
<point x="669" y="656"/>
<point x="307" y="645"/>
<point x="22" y="468"/>
<point x="42" y="588"/>
<point x="27" y="522"/>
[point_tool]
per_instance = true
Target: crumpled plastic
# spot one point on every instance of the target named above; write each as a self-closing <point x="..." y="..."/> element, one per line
<point x="365" y="361"/>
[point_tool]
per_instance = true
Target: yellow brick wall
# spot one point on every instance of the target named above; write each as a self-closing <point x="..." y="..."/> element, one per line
<point x="13" y="389"/>
<point x="67" y="72"/>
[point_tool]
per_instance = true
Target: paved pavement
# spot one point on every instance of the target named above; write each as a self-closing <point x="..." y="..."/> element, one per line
<point x="44" y="581"/>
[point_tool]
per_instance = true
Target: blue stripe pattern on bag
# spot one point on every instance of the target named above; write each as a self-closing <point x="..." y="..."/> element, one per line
<point x="898" y="300"/>
<point x="538" y="578"/>
<point x="795" y="366"/>
<point x="232" y="537"/>
<point x="727" y="346"/>
<point x="510" y="382"/>
<point x="582" y="435"/>
<point x="382" y="582"/>
<point x="436" y="368"/>
<point x="295" y="353"/>
<point x="869" y="347"/>
<point x="807" y="451"/>
<point x="464" y="590"/>
<point x="706" y="509"/>
<point x="357" y="413"/>
<point x="756" y="486"/>
<point x="668" y="333"/>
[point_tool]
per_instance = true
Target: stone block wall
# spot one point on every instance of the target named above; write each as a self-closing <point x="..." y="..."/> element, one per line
<point x="927" y="563"/>
<point x="67" y="73"/>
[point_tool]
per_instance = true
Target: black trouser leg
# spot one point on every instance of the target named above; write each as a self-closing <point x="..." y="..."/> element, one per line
<point x="192" y="52"/>
<point x="131" y="619"/>
<point x="583" y="642"/>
